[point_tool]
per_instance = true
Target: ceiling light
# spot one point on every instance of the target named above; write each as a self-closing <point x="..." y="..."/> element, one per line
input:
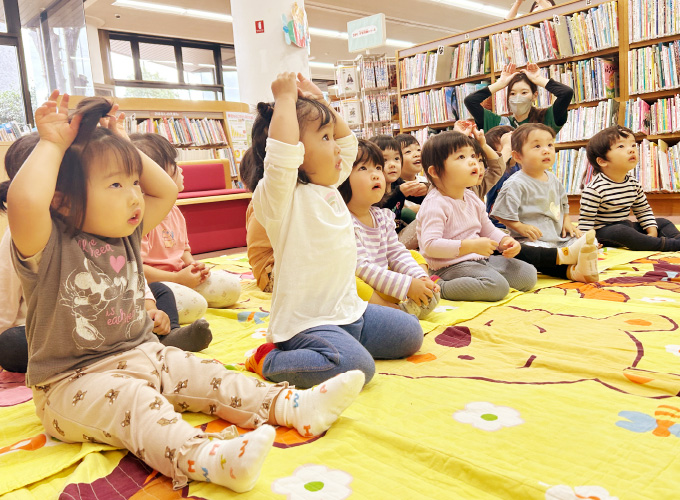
<point x="476" y="7"/>
<point x="316" y="64"/>
<point x="171" y="9"/>
<point x="343" y="36"/>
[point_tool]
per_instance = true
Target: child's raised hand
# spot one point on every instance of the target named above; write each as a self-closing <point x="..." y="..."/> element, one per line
<point x="115" y="123"/>
<point x="479" y="136"/>
<point x="483" y="246"/>
<point x="307" y="88"/>
<point x="464" y="127"/>
<point x="528" y="231"/>
<point x="509" y="247"/>
<point x="52" y="122"/>
<point x="284" y="86"/>
<point x="420" y="291"/>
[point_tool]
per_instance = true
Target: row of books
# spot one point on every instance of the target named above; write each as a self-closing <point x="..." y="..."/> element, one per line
<point x="212" y="154"/>
<point x="592" y="80"/>
<point x="378" y="74"/>
<point x="650" y="19"/>
<point x="572" y="169"/>
<point x="661" y="117"/>
<point x="437" y="106"/>
<point x="564" y="36"/>
<point x="584" y="122"/>
<point x="659" y="167"/>
<point x="445" y="64"/>
<point x="655" y="67"/>
<point x="11" y="131"/>
<point x="181" y="131"/>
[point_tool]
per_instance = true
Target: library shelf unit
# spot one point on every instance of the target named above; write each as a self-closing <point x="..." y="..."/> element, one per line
<point x="159" y="109"/>
<point x="614" y="50"/>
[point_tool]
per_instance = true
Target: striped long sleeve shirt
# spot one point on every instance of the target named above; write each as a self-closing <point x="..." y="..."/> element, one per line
<point x="605" y="202"/>
<point x="383" y="262"/>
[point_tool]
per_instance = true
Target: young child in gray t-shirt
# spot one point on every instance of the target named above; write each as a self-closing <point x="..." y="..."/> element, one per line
<point x="533" y="206"/>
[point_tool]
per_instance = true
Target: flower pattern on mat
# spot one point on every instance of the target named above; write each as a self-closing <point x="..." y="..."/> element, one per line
<point x="655" y="300"/>
<point x="260" y="333"/>
<point x="487" y="416"/>
<point x="673" y="349"/>
<point x="312" y="481"/>
<point x="563" y="492"/>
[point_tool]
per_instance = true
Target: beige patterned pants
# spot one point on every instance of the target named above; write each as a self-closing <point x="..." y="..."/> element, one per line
<point x="132" y="400"/>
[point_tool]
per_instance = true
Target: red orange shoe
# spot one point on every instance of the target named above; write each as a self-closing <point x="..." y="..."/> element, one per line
<point x="254" y="363"/>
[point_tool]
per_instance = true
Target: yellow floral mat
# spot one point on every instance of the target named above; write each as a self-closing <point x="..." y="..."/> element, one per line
<point x="565" y="392"/>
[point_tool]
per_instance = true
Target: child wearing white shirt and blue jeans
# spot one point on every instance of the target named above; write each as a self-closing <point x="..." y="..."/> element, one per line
<point x="319" y="326"/>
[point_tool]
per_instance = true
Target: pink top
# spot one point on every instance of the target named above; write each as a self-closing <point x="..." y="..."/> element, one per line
<point x="443" y="223"/>
<point x="163" y="247"/>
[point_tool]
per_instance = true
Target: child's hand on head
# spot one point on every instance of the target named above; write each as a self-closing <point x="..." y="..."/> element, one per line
<point x="483" y="246"/>
<point x="285" y="86"/>
<point x="307" y="88"/>
<point x="529" y="231"/>
<point x="569" y="229"/>
<point x="115" y="122"/>
<point x="420" y="291"/>
<point x="52" y="123"/>
<point x="509" y="247"/>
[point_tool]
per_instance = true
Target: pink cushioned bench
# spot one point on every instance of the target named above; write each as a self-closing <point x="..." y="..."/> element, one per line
<point x="215" y="214"/>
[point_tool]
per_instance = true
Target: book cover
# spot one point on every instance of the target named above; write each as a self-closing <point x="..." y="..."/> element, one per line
<point x="562" y="35"/>
<point x="451" y="104"/>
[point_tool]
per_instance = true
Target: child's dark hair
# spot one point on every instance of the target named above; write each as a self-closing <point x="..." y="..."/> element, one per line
<point x="439" y="147"/>
<point x="387" y="143"/>
<point x="368" y="153"/>
<point x="601" y="143"/>
<point x="14" y="158"/>
<point x="493" y="136"/>
<point x="159" y="149"/>
<point x="405" y="140"/>
<point x="536" y="115"/>
<point x="521" y="134"/>
<point x="93" y="143"/>
<point x="252" y="163"/>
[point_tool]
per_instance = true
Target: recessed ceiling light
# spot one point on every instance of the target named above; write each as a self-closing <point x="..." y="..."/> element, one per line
<point x="476" y="7"/>
<point x="171" y="9"/>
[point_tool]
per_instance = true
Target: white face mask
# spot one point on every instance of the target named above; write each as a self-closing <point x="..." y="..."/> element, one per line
<point x="520" y="105"/>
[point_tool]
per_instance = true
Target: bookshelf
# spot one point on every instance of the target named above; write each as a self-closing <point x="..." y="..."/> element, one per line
<point x="212" y="141"/>
<point x="596" y="49"/>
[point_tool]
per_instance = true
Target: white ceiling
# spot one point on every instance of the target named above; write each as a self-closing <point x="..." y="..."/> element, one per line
<point x="415" y="21"/>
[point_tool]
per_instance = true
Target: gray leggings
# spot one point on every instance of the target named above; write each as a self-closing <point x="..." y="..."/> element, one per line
<point x="487" y="280"/>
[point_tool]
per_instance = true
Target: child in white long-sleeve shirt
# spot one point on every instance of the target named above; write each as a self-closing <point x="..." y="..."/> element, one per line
<point x="455" y="233"/>
<point x="318" y="325"/>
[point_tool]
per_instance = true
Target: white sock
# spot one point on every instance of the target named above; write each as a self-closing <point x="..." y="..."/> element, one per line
<point x="585" y="269"/>
<point x="313" y="411"/>
<point x="234" y="463"/>
<point x="569" y="255"/>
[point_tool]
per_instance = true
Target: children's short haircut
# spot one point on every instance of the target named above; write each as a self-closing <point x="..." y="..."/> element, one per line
<point x="159" y="149"/>
<point x="439" y="147"/>
<point x="521" y="134"/>
<point x="15" y="157"/>
<point x="493" y="136"/>
<point x="406" y="140"/>
<point x="252" y="163"/>
<point x="368" y="153"/>
<point x="387" y="143"/>
<point x="601" y="143"/>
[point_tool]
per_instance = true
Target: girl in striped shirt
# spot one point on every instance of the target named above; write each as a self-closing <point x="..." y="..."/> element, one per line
<point x="387" y="273"/>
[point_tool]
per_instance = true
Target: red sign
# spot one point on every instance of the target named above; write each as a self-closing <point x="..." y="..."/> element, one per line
<point x="259" y="26"/>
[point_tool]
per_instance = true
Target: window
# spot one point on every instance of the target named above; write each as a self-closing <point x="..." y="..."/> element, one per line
<point x="14" y="93"/>
<point x="167" y="68"/>
<point x="3" y="18"/>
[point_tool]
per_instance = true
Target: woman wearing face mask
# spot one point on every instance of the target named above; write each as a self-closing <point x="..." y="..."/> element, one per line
<point x="522" y="91"/>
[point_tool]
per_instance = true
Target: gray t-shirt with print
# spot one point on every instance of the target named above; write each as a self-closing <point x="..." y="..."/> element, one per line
<point x="539" y="203"/>
<point x="85" y="300"/>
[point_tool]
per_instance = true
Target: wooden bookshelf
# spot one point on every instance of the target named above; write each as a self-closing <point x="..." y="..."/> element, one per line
<point x="664" y="203"/>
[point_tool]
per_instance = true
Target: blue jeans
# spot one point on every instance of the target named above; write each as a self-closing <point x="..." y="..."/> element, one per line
<point x="319" y="353"/>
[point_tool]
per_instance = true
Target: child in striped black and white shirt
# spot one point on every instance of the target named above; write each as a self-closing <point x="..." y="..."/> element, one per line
<point x="607" y="201"/>
<point x="387" y="274"/>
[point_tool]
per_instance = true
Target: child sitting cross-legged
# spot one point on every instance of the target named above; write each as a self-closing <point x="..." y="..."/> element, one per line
<point x="387" y="273"/>
<point x="77" y="211"/>
<point x="167" y="254"/>
<point x="455" y="233"/>
<point x="533" y="205"/>
<point x="608" y="200"/>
